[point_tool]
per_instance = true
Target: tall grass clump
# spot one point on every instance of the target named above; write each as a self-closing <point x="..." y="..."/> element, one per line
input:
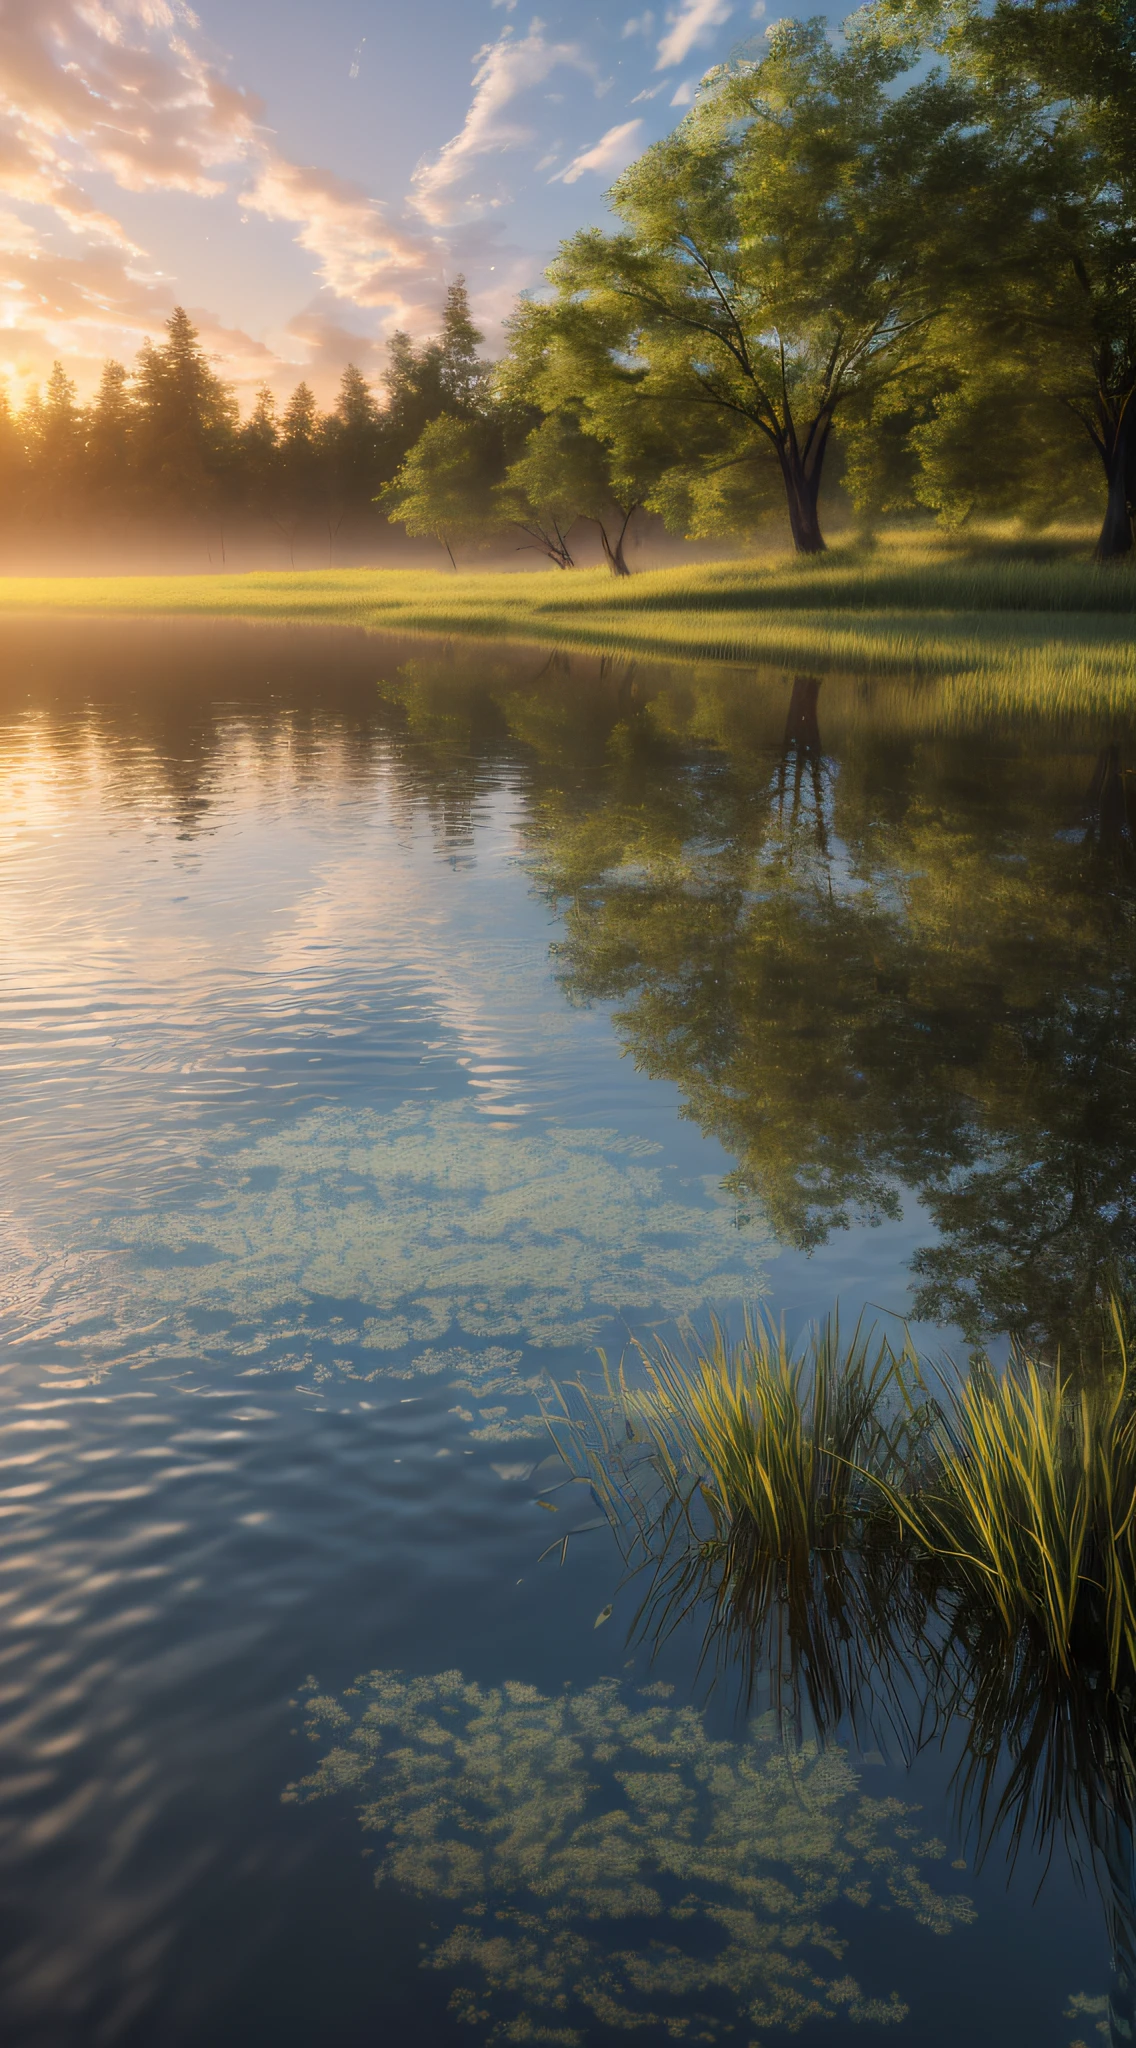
<point x="1026" y="1506"/>
<point x="827" y="1514"/>
<point x="750" y="1474"/>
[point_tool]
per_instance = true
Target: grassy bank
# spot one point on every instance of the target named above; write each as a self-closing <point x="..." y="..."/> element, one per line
<point x="1062" y="627"/>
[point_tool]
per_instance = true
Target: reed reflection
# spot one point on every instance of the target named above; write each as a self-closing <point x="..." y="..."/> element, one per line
<point x="954" y="1563"/>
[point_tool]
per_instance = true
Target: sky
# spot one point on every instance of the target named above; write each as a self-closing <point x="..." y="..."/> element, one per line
<point x="305" y="176"/>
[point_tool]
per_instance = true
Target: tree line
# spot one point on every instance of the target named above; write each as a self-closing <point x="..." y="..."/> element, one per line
<point x="902" y="260"/>
<point x="165" y="442"/>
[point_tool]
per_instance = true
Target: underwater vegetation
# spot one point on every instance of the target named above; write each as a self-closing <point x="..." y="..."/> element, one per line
<point x="599" y="1859"/>
<point x="417" y="1226"/>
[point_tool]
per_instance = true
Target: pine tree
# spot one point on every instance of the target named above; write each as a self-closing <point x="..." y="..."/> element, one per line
<point x="108" y="440"/>
<point x="13" y="463"/>
<point x="462" y="373"/>
<point x="58" y="455"/>
<point x="353" y="437"/>
<point x="187" y="423"/>
<point x="301" y="491"/>
<point x="259" y="455"/>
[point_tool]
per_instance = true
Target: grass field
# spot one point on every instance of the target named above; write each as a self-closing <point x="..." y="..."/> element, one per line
<point x="1060" y="626"/>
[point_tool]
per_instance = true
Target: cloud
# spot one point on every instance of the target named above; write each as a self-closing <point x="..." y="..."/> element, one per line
<point x="125" y="87"/>
<point x="360" y="254"/>
<point x="328" y="345"/>
<point x="119" y="91"/>
<point x="692" y="23"/>
<point x="89" y="89"/>
<point x="612" y="152"/>
<point x="649" y="92"/>
<point x="639" y="25"/>
<point x="505" y="69"/>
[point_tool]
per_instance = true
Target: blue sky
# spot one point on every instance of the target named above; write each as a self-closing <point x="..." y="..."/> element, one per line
<point x="305" y="175"/>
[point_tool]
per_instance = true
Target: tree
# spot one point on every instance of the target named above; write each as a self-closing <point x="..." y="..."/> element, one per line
<point x="353" y="435"/>
<point x="444" y="489"/>
<point x="443" y="375"/>
<point x="1045" y="335"/>
<point x="598" y="454"/>
<point x="186" y="423"/>
<point x="788" y="246"/>
<point x="300" y="465"/>
<point x="59" y="454"/>
<point x="541" y="493"/>
<point x="565" y="475"/>
<point x="462" y="375"/>
<point x="13" y="461"/>
<point x="109" y="425"/>
<point x="259" y="450"/>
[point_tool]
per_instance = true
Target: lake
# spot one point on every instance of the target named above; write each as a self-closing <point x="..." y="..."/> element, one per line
<point x="388" y="1028"/>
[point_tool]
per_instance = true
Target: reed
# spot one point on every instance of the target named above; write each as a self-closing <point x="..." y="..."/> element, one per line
<point x="743" y="1476"/>
<point x="815" y="1498"/>
<point x="775" y="1437"/>
<point x="1026" y="1504"/>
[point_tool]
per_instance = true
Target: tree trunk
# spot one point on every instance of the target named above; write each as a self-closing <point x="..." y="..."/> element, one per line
<point x="802" y="488"/>
<point x="615" y="557"/>
<point x="1115" y="539"/>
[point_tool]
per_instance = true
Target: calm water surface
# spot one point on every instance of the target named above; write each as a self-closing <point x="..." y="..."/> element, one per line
<point x="385" y="1027"/>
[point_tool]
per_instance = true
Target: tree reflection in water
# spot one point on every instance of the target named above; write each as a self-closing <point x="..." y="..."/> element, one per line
<point x="905" y="965"/>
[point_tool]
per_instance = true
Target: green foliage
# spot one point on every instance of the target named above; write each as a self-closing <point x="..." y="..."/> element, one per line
<point x="991" y="448"/>
<point x="445" y="375"/>
<point x="444" y="489"/>
<point x="786" y="248"/>
<point x="564" y="475"/>
<point x="1043" y="330"/>
<point x="569" y="362"/>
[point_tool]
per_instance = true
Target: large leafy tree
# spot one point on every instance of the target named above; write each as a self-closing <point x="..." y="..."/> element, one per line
<point x="1043" y="338"/>
<point x="788" y="247"/>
